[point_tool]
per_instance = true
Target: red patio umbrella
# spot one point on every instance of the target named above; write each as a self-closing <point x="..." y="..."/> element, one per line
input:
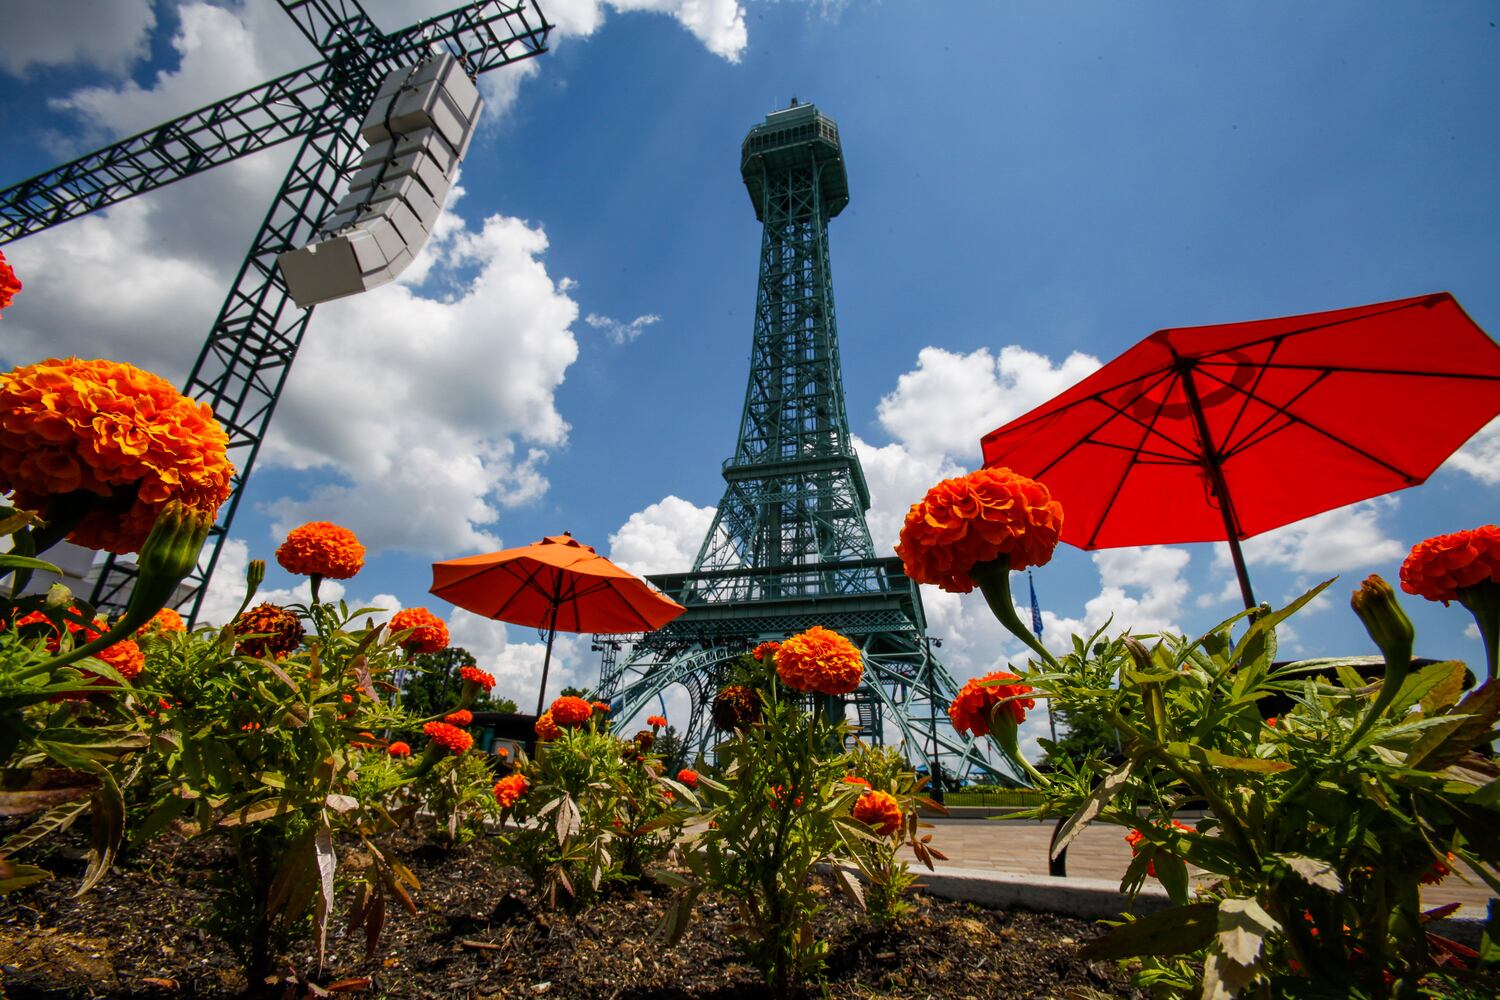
<point x="1222" y="432"/>
<point x="556" y="583"/>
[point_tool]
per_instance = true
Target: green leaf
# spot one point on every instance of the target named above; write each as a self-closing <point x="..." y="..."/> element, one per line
<point x="255" y="812"/>
<point x="1180" y="930"/>
<point x="9" y="562"/>
<point x="1172" y="873"/>
<point x="1204" y="755"/>
<point x="1440" y="747"/>
<point x="13" y="877"/>
<point x="1313" y="871"/>
<point x="1102" y="795"/>
<point x="52" y="822"/>
<point x="1243" y="927"/>
<point x="106" y="832"/>
<point x="1421" y="682"/>
<point x="1448" y="688"/>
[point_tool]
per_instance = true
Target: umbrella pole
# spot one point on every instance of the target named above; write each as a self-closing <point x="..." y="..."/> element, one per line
<point x="552" y="633"/>
<point x="541" y="696"/>
<point x="1216" y="479"/>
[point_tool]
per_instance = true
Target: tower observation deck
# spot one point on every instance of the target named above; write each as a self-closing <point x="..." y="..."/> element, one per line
<point x="789" y="547"/>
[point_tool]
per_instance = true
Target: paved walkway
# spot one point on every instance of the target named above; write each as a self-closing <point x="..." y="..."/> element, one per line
<point x="1020" y="846"/>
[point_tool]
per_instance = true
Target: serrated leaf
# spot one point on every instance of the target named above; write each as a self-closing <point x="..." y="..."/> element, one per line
<point x="13" y="876"/>
<point x="327" y="862"/>
<point x="1180" y="930"/>
<point x="255" y="812"/>
<point x="1313" y="871"/>
<point x="851" y="887"/>
<point x="106" y="832"/>
<point x="1204" y="755"/>
<point x="1446" y="690"/>
<point x="1243" y="927"/>
<point x="1101" y="796"/>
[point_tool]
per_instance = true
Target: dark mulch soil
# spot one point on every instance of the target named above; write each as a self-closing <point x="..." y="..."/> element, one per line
<point x="481" y="933"/>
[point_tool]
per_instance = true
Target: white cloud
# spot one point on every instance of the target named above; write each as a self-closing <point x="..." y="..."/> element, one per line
<point x="517" y="666"/>
<point x="1141" y="589"/>
<point x="387" y="394"/>
<point x="1480" y="458"/>
<point x="108" y="35"/>
<point x="718" y="24"/>
<point x="226" y="590"/>
<point x="951" y="400"/>
<point x="618" y="332"/>
<point x="1335" y="541"/>
<point x="898" y="477"/>
<point x="662" y="538"/>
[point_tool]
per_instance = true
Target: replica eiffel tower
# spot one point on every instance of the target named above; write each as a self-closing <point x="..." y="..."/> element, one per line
<point x="789" y="547"/>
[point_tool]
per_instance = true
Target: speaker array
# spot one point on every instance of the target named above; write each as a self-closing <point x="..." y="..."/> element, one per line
<point x="418" y="129"/>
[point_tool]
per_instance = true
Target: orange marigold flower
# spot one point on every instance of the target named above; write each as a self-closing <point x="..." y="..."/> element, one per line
<point x="398" y="749"/>
<point x="878" y="810"/>
<point x="1134" y="838"/>
<point x="570" y="711"/>
<point x="462" y="718"/>
<point x="473" y="675"/>
<point x="1440" y="567"/>
<point x="973" y="519"/>
<point x="656" y="721"/>
<point x="970" y="710"/>
<point x="819" y="660"/>
<point x="602" y="707"/>
<point x="854" y="779"/>
<point x="429" y="634"/>
<point x="164" y="621"/>
<point x="273" y="631"/>
<point x="765" y="649"/>
<point x="546" y="727"/>
<point x="126" y="657"/>
<point x="448" y="737"/>
<point x="321" y="548"/>
<point x="688" y="777"/>
<point x="109" y="429"/>
<point x="502" y="751"/>
<point x="9" y="283"/>
<point x="509" y="789"/>
<point x="737" y="707"/>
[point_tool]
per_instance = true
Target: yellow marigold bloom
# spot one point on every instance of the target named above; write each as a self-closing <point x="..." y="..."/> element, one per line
<point x="321" y="548"/>
<point x="972" y="519"/>
<point x="429" y="633"/>
<point x="112" y="430"/>
<point x="819" y="660"/>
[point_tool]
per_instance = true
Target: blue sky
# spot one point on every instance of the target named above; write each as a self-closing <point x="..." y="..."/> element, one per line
<point x="1035" y="186"/>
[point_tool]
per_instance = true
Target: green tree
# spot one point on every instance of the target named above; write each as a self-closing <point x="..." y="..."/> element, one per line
<point x="433" y="685"/>
<point x="672" y="751"/>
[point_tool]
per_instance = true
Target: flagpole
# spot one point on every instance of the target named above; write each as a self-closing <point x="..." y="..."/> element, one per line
<point x="1036" y="626"/>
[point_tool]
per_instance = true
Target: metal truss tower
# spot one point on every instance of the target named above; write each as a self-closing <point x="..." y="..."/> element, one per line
<point x="789" y="547"/>
<point x="244" y="363"/>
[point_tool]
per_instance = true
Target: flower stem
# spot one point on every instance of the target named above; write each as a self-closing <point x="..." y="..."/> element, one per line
<point x="993" y="578"/>
<point x="1483" y="602"/>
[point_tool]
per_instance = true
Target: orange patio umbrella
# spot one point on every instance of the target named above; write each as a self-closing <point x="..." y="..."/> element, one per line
<point x="557" y="583"/>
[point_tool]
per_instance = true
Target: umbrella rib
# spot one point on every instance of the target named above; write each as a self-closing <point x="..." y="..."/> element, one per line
<point x="1361" y="370"/>
<point x="1248" y="394"/>
<point x="529" y="580"/>
<point x="1118" y="411"/>
<point x="1292" y="418"/>
<point x="1097" y="395"/>
<point x="1125" y="473"/>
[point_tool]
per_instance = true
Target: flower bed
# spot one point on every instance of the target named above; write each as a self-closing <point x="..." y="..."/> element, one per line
<point x="484" y="932"/>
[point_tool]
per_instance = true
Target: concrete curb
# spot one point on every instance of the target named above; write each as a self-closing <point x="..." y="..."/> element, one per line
<point x="1101" y="899"/>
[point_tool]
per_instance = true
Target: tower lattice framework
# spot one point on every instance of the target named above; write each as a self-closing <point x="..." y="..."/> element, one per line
<point x="245" y="360"/>
<point x="789" y="547"/>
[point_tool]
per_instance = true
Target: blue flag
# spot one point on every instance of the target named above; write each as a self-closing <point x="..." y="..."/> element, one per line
<point x="1036" y="611"/>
